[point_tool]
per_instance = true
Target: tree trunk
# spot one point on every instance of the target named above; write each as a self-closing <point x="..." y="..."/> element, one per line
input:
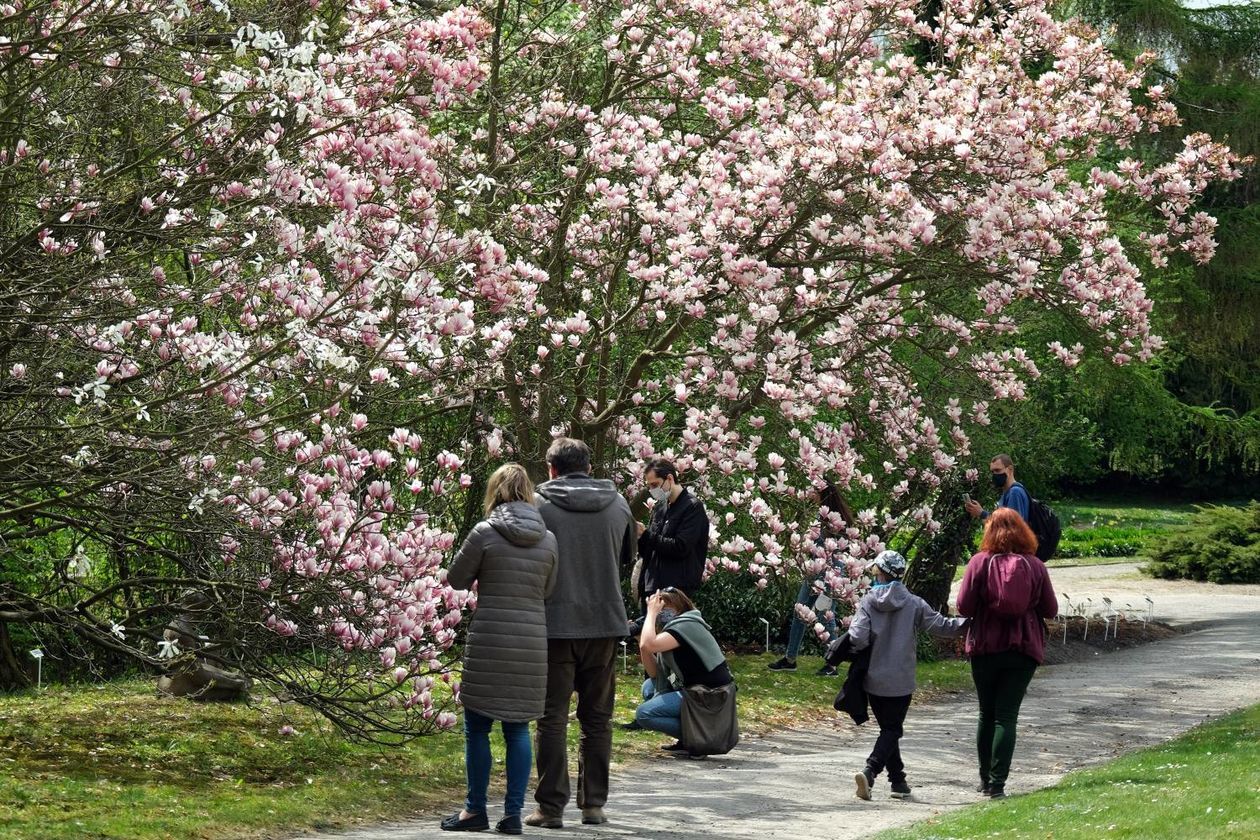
<point x="12" y="674"/>
<point x="931" y="572"/>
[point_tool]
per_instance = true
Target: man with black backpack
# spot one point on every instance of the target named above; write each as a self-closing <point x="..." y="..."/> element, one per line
<point x="1040" y="517"/>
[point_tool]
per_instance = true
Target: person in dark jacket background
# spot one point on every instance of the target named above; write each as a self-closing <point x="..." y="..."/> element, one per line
<point x="1004" y="650"/>
<point x="674" y="545"/>
<point x="888" y="618"/>
<point x="586" y="620"/>
<point x="512" y="558"/>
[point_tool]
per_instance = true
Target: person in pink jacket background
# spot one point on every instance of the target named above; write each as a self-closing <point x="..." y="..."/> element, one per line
<point x="1007" y="593"/>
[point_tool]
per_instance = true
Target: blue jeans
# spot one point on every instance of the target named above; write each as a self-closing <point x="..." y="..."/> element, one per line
<point x="519" y="762"/>
<point x="807" y="596"/>
<point x="660" y="712"/>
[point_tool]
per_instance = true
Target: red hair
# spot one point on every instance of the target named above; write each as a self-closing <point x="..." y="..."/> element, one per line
<point x="1006" y="532"/>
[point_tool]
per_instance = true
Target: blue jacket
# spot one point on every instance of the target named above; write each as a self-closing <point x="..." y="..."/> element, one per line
<point x="1015" y="498"/>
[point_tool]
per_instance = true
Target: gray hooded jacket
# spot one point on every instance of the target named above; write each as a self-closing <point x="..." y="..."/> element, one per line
<point x="892" y="615"/>
<point x="595" y="532"/>
<point x="512" y="557"/>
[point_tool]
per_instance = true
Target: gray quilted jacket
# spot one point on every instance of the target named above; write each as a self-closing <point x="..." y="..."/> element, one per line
<point x="512" y="557"/>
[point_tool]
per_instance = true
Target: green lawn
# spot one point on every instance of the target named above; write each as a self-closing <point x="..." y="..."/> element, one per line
<point x="116" y="761"/>
<point x="1205" y="784"/>
<point x="1111" y="529"/>
<point x="1138" y="514"/>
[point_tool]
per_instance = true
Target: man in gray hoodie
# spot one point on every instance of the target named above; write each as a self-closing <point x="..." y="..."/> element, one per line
<point x="888" y="618"/>
<point x="586" y="620"/>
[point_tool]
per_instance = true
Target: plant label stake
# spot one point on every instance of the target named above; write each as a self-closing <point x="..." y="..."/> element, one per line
<point x="763" y="621"/>
<point x="38" y="656"/>
<point x="624" y="666"/>
<point x="1065" y="618"/>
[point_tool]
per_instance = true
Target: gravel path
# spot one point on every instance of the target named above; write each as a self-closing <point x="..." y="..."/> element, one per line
<point x="798" y="784"/>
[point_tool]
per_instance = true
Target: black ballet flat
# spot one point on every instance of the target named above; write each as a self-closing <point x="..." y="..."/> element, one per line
<point x="477" y="822"/>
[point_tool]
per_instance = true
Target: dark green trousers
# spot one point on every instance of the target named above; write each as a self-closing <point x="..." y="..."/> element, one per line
<point x="1001" y="680"/>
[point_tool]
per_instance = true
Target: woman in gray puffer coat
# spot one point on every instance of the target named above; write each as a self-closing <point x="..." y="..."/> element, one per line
<point x="511" y="556"/>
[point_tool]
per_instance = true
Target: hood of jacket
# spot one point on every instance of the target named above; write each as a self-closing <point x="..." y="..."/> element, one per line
<point x="889" y="598"/>
<point x="579" y="492"/>
<point x="520" y="523"/>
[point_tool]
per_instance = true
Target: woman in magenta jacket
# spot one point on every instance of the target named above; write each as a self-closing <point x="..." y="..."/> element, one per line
<point x="1007" y="593"/>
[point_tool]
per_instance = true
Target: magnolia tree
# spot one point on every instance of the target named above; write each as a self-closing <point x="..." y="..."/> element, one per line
<point x="765" y="240"/>
<point x="282" y="281"/>
<point x="224" y="241"/>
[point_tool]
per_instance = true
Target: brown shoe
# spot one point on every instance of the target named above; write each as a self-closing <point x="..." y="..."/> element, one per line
<point x="593" y="816"/>
<point x="540" y="820"/>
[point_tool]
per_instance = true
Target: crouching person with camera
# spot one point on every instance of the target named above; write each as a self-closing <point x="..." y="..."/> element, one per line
<point x="689" y="693"/>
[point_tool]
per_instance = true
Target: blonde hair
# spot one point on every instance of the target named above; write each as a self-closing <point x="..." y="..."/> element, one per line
<point x="509" y="483"/>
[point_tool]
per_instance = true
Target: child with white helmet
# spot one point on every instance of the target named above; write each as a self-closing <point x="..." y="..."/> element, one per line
<point x="888" y="619"/>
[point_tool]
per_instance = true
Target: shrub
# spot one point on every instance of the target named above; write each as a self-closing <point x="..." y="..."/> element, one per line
<point x="1221" y="544"/>
<point x="734" y="606"/>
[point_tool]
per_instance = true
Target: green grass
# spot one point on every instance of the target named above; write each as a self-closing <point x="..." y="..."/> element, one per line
<point x="116" y="761"/>
<point x="1111" y="529"/>
<point x="1125" y="514"/>
<point x="1204" y="784"/>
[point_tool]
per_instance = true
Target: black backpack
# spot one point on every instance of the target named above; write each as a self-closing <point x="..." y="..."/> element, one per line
<point x="1045" y="524"/>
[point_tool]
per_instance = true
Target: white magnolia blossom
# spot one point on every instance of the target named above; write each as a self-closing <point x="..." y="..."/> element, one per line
<point x="80" y="564"/>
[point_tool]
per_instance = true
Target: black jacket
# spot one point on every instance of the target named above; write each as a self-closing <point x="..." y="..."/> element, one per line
<point x="675" y="545"/>
<point x="852" y="696"/>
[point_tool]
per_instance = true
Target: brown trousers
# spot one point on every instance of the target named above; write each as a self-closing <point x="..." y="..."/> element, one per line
<point x="587" y="666"/>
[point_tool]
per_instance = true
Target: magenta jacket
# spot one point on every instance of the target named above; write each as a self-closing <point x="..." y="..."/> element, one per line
<point x="990" y="633"/>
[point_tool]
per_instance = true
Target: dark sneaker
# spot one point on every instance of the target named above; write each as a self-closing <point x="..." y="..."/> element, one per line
<point x="783" y="664"/>
<point x="864" y="782"/>
<point x="996" y="792"/>
<point x="984" y="788"/>
<point x="900" y="790"/>
<point x="826" y="671"/>
<point x="676" y="747"/>
<point x="593" y="816"/>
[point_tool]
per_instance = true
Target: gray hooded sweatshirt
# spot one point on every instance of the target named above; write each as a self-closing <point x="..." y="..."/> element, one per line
<point x="891" y="615"/>
<point x="596" y="536"/>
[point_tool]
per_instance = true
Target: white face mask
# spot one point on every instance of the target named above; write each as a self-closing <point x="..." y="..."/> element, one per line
<point x="658" y="493"/>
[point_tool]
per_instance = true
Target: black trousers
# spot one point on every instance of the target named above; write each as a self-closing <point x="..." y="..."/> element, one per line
<point x="890" y="714"/>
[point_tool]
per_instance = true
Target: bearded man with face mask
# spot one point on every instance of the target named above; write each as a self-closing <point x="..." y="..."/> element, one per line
<point x="675" y="543"/>
<point x="1012" y="493"/>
